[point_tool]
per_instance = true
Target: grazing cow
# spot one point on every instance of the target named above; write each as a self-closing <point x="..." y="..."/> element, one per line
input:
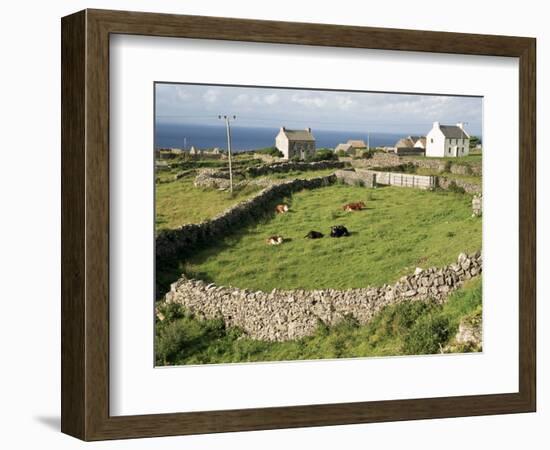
<point x="281" y="209"/>
<point x="354" y="206"/>
<point x="314" y="235"/>
<point x="338" y="231"/>
<point x="274" y="240"/>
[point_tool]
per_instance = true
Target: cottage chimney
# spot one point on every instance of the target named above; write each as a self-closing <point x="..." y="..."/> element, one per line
<point x="460" y="125"/>
<point x="283" y="128"/>
<point x="308" y="130"/>
<point x="436" y="125"/>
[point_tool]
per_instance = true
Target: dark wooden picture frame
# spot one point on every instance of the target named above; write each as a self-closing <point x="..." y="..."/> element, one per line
<point x="85" y="224"/>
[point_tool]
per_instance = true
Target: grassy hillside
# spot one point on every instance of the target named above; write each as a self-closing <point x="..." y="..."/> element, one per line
<point x="413" y="328"/>
<point x="401" y="229"/>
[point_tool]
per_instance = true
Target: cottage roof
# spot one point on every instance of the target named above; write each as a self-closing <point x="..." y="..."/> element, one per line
<point x="298" y="135"/>
<point x="404" y="143"/>
<point x="357" y="143"/>
<point x="410" y="141"/>
<point x="344" y="147"/>
<point x="453" y="132"/>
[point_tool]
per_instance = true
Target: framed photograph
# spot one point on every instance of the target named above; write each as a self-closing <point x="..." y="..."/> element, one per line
<point x="273" y="225"/>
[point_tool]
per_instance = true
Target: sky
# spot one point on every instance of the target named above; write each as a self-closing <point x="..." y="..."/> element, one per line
<point x="318" y="109"/>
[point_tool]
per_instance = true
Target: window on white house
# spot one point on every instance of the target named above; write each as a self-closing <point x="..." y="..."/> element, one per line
<point x="432" y="140"/>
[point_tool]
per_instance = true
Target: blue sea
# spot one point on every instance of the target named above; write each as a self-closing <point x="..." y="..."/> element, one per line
<point x="171" y="135"/>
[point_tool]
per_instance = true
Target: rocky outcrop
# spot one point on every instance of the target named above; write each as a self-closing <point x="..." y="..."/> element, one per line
<point x="477" y="205"/>
<point x="282" y="315"/>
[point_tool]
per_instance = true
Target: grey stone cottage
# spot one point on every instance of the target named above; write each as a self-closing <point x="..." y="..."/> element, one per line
<point x="295" y="143"/>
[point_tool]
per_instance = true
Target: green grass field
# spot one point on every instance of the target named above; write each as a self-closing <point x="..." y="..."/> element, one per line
<point x="178" y="202"/>
<point x="401" y="229"/>
<point x="410" y="328"/>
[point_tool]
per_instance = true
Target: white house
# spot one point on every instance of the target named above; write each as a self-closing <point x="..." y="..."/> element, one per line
<point x="295" y="143"/>
<point x="447" y="140"/>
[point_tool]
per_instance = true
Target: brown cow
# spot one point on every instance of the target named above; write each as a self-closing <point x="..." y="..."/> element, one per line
<point x="354" y="206"/>
<point x="281" y="209"/>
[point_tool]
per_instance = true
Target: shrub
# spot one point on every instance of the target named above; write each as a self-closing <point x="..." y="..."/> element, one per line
<point x="447" y="167"/>
<point x="178" y="339"/>
<point x="273" y="151"/>
<point x="367" y="154"/>
<point x="324" y="154"/>
<point x="453" y="187"/>
<point x="427" y="335"/>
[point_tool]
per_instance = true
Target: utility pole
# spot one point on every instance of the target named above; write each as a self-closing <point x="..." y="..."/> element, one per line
<point x="228" y="129"/>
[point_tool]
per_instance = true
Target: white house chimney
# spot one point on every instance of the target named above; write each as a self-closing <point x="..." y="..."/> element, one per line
<point x="460" y="125"/>
<point x="283" y="128"/>
<point x="436" y="125"/>
<point x="308" y="130"/>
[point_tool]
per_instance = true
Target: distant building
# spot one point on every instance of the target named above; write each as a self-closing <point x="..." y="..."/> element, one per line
<point x="164" y="153"/>
<point x="295" y="143"/>
<point x="346" y="148"/>
<point x="410" y="145"/>
<point x="194" y="151"/>
<point x="357" y="144"/>
<point x="177" y="151"/>
<point x="352" y="147"/>
<point x="447" y="140"/>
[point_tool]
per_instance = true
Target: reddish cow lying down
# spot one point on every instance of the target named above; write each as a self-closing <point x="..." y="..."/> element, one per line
<point x="274" y="240"/>
<point x="354" y="206"/>
<point x="281" y="209"/>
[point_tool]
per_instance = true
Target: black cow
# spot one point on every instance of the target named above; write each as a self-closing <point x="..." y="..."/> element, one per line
<point x="338" y="231"/>
<point x="314" y="235"/>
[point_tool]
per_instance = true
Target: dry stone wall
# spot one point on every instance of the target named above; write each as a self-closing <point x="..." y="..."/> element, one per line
<point x="356" y="178"/>
<point x="290" y="166"/>
<point x="470" y="188"/>
<point x="378" y="160"/>
<point x="437" y="165"/>
<point x="282" y="315"/>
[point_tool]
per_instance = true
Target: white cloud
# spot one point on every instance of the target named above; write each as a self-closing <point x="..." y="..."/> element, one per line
<point x="241" y="99"/>
<point x="309" y="100"/>
<point x="211" y="95"/>
<point x="183" y="93"/>
<point x="318" y="109"/>
<point x="344" y="102"/>
<point x="271" y="99"/>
